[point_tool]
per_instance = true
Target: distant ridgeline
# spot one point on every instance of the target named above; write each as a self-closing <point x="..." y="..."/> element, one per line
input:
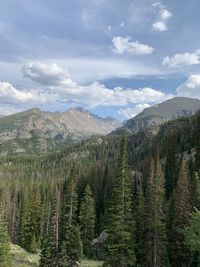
<point x="38" y="132"/>
<point x="140" y="190"/>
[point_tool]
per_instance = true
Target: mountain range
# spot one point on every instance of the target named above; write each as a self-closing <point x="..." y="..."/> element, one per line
<point x="36" y="131"/>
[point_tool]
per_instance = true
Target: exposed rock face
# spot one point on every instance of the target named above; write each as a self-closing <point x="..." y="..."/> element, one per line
<point x="98" y="245"/>
<point x="156" y="115"/>
<point x="75" y="264"/>
<point x="36" y="131"/>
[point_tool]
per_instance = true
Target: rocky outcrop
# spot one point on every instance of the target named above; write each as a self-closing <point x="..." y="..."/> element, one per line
<point x="98" y="246"/>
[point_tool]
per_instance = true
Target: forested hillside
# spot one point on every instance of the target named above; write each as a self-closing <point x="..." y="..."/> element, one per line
<point x="126" y="200"/>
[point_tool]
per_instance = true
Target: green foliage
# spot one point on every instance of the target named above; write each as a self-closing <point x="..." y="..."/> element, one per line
<point x="153" y="237"/>
<point x="5" y="257"/>
<point x="71" y="247"/>
<point x="87" y="221"/>
<point x="180" y="217"/>
<point x="49" y="250"/>
<point x="191" y="234"/>
<point x="44" y="197"/>
<point x="120" y="243"/>
<point x="30" y="225"/>
<point x="70" y="241"/>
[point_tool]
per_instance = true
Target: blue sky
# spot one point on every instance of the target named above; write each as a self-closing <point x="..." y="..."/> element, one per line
<point x="112" y="57"/>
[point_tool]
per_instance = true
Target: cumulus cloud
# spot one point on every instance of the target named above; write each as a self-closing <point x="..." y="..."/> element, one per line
<point x="133" y="111"/>
<point x="123" y="45"/>
<point x="191" y="88"/>
<point x="60" y="91"/>
<point x="8" y="94"/>
<point x="182" y="60"/>
<point x="161" y="23"/>
<point x="47" y="74"/>
<point x="14" y="98"/>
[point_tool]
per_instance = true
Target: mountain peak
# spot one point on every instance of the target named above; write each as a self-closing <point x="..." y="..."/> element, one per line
<point x="80" y="109"/>
<point x="155" y="115"/>
<point x="39" y="131"/>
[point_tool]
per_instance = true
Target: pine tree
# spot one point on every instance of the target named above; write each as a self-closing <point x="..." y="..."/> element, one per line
<point x="87" y="221"/>
<point x="180" y="217"/>
<point x="5" y="258"/>
<point x="170" y="169"/>
<point x="191" y="234"/>
<point x="140" y="224"/>
<point x="197" y="143"/>
<point x="70" y="241"/>
<point x="30" y="224"/>
<point x="193" y="186"/>
<point x="71" y="247"/>
<point x="120" y="244"/>
<point x="50" y="243"/>
<point x="154" y="240"/>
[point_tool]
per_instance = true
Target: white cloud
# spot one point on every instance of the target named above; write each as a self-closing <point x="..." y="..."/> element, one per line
<point x="191" y="88"/>
<point x="47" y="74"/>
<point x="160" y="26"/>
<point x="15" y="99"/>
<point x="8" y="94"/>
<point x="133" y="111"/>
<point x="165" y="14"/>
<point x="62" y="92"/>
<point x="182" y="60"/>
<point x="123" y="45"/>
<point x="161" y="23"/>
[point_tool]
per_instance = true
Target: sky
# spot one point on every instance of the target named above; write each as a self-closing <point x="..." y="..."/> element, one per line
<point x="112" y="57"/>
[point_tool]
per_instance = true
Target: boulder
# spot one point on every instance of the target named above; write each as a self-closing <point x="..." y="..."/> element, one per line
<point x="98" y="246"/>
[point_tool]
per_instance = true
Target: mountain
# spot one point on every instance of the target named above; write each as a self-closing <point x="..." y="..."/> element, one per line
<point x="151" y="118"/>
<point x="38" y="131"/>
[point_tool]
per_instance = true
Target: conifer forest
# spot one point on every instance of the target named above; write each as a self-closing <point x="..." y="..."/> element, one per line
<point x="129" y="200"/>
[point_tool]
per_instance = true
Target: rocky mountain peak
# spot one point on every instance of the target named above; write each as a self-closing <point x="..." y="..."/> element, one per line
<point x="152" y="117"/>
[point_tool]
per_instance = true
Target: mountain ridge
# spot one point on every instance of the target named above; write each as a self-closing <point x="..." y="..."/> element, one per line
<point x="152" y="117"/>
<point x="40" y="130"/>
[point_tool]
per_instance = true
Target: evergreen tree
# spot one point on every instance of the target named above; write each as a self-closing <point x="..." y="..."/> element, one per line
<point x="50" y="243"/>
<point x="5" y="258"/>
<point x="181" y="209"/>
<point x="193" y="186"/>
<point x="70" y="241"/>
<point x="121" y="244"/>
<point x="140" y="224"/>
<point x="197" y="143"/>
<point x="154" y="241"/>
<point x="170" y="169"/>
<point x="71" y="247"/>
<point x="87" y="221"/>
<point x="31" y="225"/>
<point x="191" y="232"/>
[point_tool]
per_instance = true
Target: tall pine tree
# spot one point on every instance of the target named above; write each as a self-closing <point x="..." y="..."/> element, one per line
<point x="154" y="241"/>
<point x="180" y="217"/>
<point x="5" y="258"/>
<point x="87" y="221"/>
<point x="50" y="243"/>
<point x="70" y="241"/>
<point x="121" y="244"/>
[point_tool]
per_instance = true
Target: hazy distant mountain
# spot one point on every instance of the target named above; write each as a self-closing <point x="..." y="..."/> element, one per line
<point x="35" y="131"/>
<point x="154" y="116"/>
